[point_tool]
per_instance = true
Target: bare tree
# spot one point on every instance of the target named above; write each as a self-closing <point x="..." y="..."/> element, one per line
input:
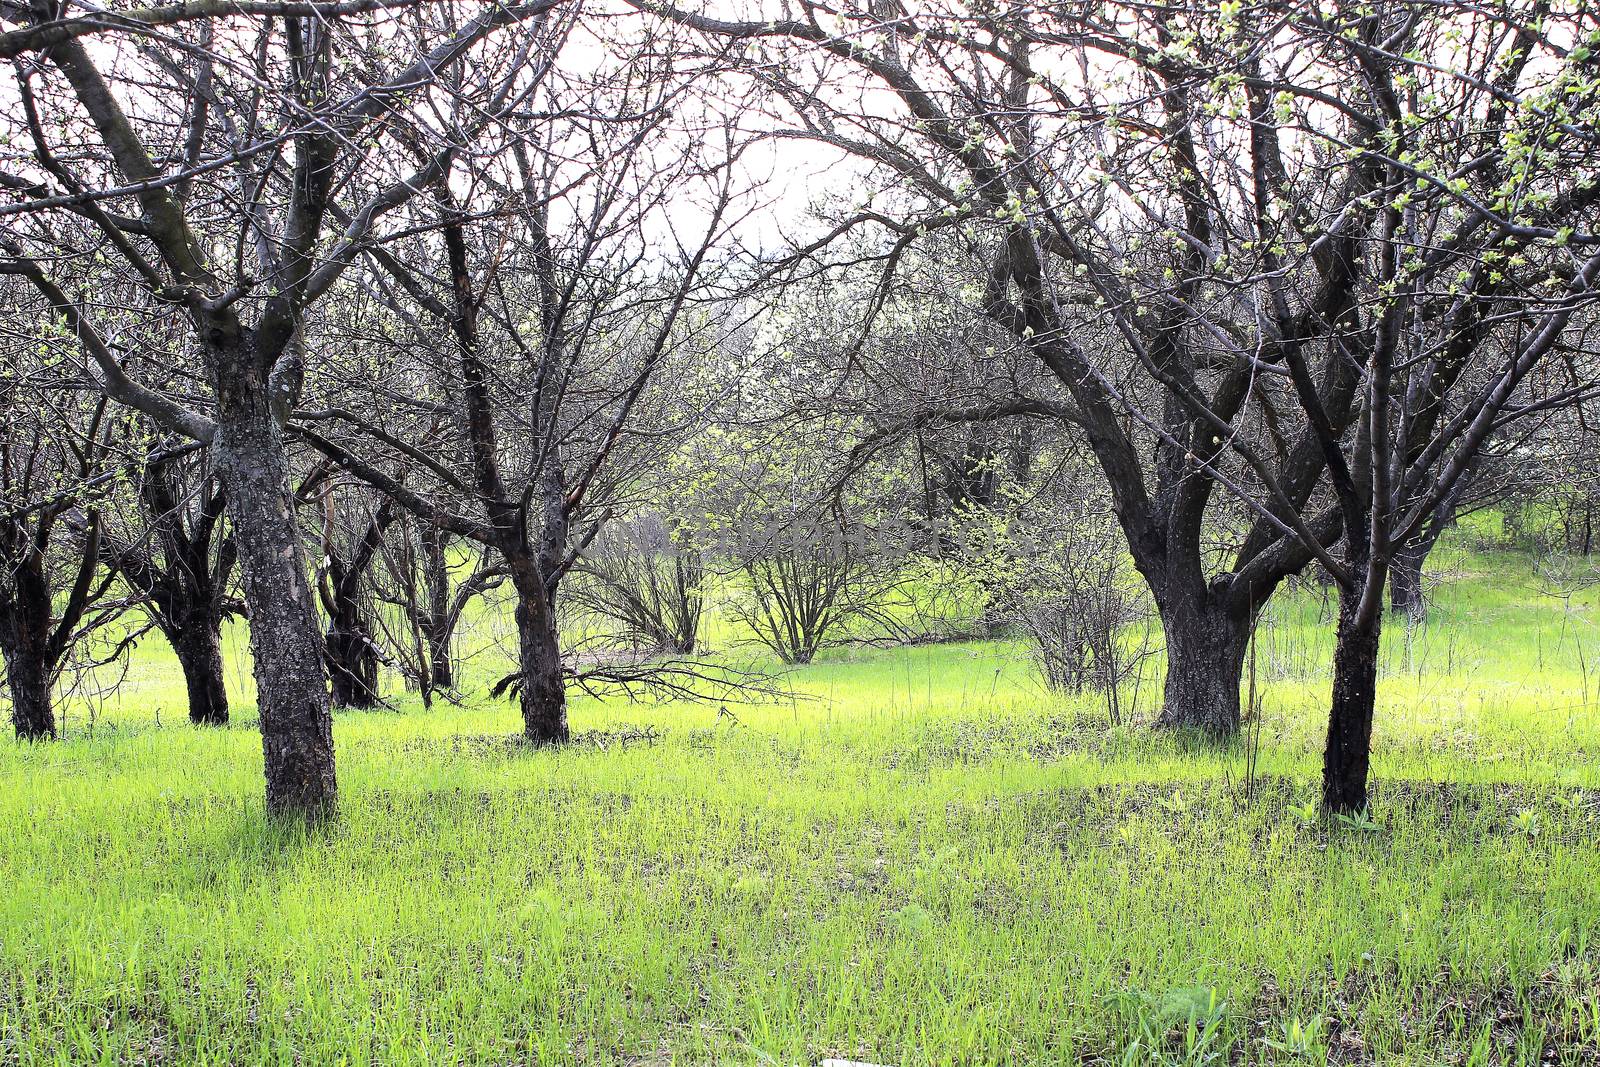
<point x="638" y="576"/>
<point x="1303" y="259"/>
<point x="799" y="595"/>
<point x="168" y="545"/>
<point x="414" y="579"/>
<point x="1069" y="588"/>
<point x="1119" y="270"/>
<point x="227" y="167"/>
<point x="1552" y="479"/>
<point x="55" y="453"/>
<point x="556" y="281"/>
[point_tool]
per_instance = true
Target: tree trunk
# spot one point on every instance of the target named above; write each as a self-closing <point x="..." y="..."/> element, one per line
<point x="1405" y="565"/>
<point x="1206" y="646"/>
<point x="543" y="690"/>
<point x="200" y="655"/>
<point x="1405" y="580"/>
<point x="25" y="643"/>
<point x="436" y="573"/>
<point x="1355" y="682"/>
<point x="351" y="658"/>
<point x="348" y="647"/>
<point x="441" y="668"/>
<point x="28" y="678"/>
<point x="296" y="727"/>
<point x="352" y="665"/>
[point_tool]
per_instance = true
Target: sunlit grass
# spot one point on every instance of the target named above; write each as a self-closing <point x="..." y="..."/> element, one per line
<point x="917" y="856"/>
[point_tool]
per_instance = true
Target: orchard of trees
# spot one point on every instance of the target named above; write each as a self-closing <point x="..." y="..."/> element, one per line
<point x="347" y="319"/>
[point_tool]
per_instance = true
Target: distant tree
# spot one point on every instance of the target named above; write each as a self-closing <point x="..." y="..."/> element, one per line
<point x="1063" y="164"/>
<point x="1553" y="481"/>
<point x="637" y="575"/>
<point x="1305" y="259"/>
<point x="811" y="563"/>
<point x="413" y="577"/>
<point x="169" y="546"/>
<point x="558" y="281"/>
<point x="352" y="537"/>
<point x="55" y="456"/>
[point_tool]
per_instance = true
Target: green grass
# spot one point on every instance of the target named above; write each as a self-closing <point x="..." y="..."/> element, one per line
<point x="921" y="857"/>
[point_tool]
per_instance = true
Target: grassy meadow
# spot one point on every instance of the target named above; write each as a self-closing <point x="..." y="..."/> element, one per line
<point x="915" y="856"/>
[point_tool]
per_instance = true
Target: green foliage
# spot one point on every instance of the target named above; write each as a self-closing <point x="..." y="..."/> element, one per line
<point x="1182" y="1027"/>
<point x="1362" y="822"/>
<point x="1306" y="814"/>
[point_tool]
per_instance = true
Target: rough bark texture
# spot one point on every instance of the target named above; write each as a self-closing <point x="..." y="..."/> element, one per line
<point x="28" y="679"/>
<point x="25" y="628"/>
<point x="1348" y="752"/>
<point x="542" y="688"/>
<point x="1206" y="646"/>
<point x="296" y="726"/>
<point x="200" y="655"/>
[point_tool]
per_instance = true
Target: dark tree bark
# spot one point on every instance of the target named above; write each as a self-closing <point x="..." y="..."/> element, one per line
<point x="1206" y="645"/>
<point x="348" y="645"/>
<point x="352" y="663"/>
<point x="197" y="645"/>
<point x="38" y="621"/>
<point x="28" y="674"/>
<point x="1355" y="677"/>
<point x="438" y="623"/>
<point x="25" y="638"/>
<point x="541" y="685"/>
<point x="296" y="725"/>
<point x="180" y="566"/>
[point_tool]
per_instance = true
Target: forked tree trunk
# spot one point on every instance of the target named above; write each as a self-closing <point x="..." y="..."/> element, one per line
<point x="198" y="647"/>
<point x="1348" y="752"/>
<point x="352" y="665"/>
<point x="296" y="727"/>
<point x="352" y="659"/>
<point x="1206" y="646"/>
<point x="350" y="651"/>
<point x="543" y="690"/>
